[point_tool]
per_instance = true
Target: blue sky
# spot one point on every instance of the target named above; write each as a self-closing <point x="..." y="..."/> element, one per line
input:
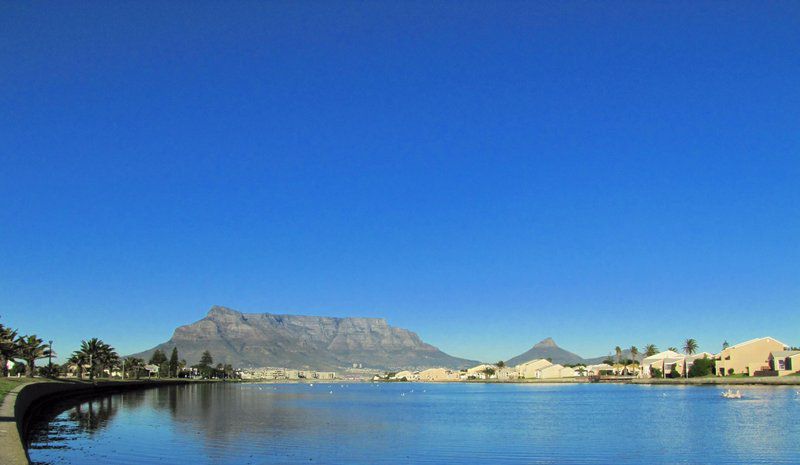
<point x="605" y="173"/>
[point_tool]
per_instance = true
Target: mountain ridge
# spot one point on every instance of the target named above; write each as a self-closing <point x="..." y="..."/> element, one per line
<point x="303" y="341"/>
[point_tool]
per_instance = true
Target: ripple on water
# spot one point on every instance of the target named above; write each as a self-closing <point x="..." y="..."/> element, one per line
<point x="430" y="424"/>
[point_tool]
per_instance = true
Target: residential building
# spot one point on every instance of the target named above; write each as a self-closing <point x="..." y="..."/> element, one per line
<point x="597" y="370"/>
<point x="663" y="361"/>
<point x="555" y="371"/>
<point x="785" y="362"/>
<point x="438" y="374"/>
<point x="528" y="369"/>
<point x="406" y="376"/>
<point x="748" y="357"/>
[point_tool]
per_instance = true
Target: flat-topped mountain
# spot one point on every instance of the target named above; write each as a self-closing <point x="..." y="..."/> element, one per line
<point x="548" y="349"/>
<point x="297" y="341"/>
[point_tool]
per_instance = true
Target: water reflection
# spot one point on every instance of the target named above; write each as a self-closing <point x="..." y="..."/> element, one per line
<point x="372" y="424"/>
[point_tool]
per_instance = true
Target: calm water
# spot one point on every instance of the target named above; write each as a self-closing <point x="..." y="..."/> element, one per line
<point x="423" y="423"/>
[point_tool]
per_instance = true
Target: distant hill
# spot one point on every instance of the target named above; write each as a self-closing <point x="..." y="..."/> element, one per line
<point x="546" y="349"/>
<point x="297" y="341"/>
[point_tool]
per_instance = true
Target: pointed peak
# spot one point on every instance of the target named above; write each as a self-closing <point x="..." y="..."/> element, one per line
<point x="218" y="310"/>
<point x="548" y="342"/>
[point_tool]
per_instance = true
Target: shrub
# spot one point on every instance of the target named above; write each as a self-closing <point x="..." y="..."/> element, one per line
<point x="656" y="373"/>
<point x="674" y="373"/>
<point x="702" y="367"/>
<point x="730" y="371"/>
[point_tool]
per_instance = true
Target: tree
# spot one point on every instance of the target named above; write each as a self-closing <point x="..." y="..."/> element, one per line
<point x="157" y="358"/>
<point x="618" y="351"/>
<point x="206" y="360"/>
<point x="78" y="360"/>
<point x="674" y="349"/>
<point x="634" y="352"/>
<point x="725" y="345"/>
<point x="97" y="354"/>
<point x="702" y="367"/>
<point x="650" y="350"/>
<point x="134" y="365"/>
<point x="500" y="364"/>
<point x="690" y="347"/>
<point x="31" y="348"/>
<point x="173" y="363"/>
<point x="8" y="347"/>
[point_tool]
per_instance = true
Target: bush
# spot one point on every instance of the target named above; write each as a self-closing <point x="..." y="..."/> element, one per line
<point x="17" y="369"/>
<point x="730" y="371"/>
<point x="656" y="373"/>
<point x="674" y="373"/>
<point x="49" y="371"/>
<point x="702" y="367"/>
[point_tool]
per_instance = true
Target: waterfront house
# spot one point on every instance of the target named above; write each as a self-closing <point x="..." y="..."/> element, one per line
<point x="600" y="369"/>
<point x="663" y="361"/>
<point x="479" y="372"/>
<point x="555" y="371"/>
<point x="785" y="362"/>
<point x="438" y="374"/>
<point x="528" y="369"/>
<point x="405" y="376"/>
<point x="749" y="357"/>
<point x="506" y="373"/>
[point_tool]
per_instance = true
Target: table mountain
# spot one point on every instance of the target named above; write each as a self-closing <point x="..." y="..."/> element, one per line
<point x="296" y="341"/>
<point x="546" y="349"/>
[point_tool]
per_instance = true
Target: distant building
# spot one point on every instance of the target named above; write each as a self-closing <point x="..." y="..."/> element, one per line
<point x="405" y="376"/>
<point x="600" y="369"/>
<point x="438" y="374"/>
<point x="528" y="370"/>
<point x="479" y="371"/>
<point x="785" y="362"/>
<point x="555" y="371"/>
<point x="663" y="361"/>
<point x="748" y="357"/>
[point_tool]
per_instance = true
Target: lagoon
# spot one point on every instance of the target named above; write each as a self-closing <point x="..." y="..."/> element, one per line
<point x="388" y="423"/>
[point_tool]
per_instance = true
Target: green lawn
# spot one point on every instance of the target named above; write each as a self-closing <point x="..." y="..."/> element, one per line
<point x="7" y="384"/>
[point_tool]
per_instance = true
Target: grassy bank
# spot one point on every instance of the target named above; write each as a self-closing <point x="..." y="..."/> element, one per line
<point x="7" y="384"/>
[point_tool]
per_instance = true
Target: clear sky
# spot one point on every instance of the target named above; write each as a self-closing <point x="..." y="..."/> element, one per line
<point x="486" y="174"/>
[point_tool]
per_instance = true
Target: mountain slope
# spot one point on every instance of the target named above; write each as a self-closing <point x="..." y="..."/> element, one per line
<point x="295" y="341"/>
<point x="548" y="349"/>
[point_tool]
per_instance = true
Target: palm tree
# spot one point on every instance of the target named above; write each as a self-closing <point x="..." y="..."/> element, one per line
<point x="98" y="353"/>
<point x="674" y="349"/>
<point x="690" y="347"/>
<point x="725" y="345"/>
<point x="31" y="348"/>
<point x="634" y="352"/>
<point x="134" y="365"/>
<point x="8" y="347"/>
<point x="79" y="360"/>
<point x="650" y="350"/>
<point x="618" y="351"/>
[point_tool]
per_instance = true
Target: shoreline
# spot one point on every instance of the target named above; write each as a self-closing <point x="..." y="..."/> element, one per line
<point x="710" y="381"/>
<point x="22" y="401"/>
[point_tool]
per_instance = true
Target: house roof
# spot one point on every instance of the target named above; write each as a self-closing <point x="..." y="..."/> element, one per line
<point x="785" y="353"/>
<point x="664" y="354"/>
<point x="741" y="344"/>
